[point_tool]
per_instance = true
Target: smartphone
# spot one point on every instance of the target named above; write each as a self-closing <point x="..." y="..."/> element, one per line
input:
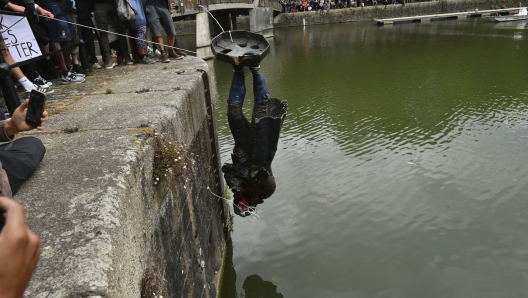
<point x="37" y="103"/>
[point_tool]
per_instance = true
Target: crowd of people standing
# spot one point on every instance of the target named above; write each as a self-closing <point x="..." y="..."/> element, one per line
<point x="289" y="6"/>
<point x="52" y="23"/>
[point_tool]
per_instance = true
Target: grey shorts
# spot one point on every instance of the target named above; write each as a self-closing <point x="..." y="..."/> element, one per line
<point x="157" y="18"/>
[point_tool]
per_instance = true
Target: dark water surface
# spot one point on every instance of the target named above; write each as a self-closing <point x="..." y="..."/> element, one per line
<point x="401" y="169"/>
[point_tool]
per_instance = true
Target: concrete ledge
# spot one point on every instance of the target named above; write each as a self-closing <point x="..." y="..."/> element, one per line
<point x="102" y="220"/>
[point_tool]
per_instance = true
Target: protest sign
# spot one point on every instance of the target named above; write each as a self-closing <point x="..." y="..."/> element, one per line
<point x="18" y="37"/>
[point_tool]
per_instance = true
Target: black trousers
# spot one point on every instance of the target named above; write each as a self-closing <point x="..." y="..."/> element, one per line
<point x="20" y="159"/>
<point x="87" y="37"/>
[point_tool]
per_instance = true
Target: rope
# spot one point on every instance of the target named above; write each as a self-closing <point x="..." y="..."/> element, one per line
<point x="97" y="29"/>
<point x="252" y="210"/>
<point x="217" y="22"/>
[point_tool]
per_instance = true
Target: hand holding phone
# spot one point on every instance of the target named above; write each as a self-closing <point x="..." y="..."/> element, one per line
<point x="19" y="250"/>
<point x="37" y="104"/>
<point x="2" y="219"/>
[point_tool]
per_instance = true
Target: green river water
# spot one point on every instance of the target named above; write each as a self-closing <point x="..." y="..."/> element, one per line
<point x="402" y="165"/>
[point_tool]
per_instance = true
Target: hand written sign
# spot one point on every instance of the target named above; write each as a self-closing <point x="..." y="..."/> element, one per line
<point x="18" y="37"/>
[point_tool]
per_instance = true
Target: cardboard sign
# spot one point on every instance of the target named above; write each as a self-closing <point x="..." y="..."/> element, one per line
<point x="18" y="37"/>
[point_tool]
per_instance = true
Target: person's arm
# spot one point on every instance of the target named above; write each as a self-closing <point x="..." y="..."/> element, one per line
<point x="19" y="250"/>
<point x="22" y="9"/>
<point x="15" y="8"/>
<point x="4" y="137"/>
<point x="43" y="12"/>
<point x="17" y="123"/>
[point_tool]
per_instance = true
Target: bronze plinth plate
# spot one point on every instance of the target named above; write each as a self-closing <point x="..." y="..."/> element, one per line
<point x="240" y="47"/>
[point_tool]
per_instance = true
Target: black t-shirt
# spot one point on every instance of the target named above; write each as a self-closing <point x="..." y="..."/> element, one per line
<point x="159" y="3"/>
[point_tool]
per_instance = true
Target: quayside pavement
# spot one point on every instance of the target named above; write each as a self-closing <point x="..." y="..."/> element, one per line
<point x="91" y="199"/>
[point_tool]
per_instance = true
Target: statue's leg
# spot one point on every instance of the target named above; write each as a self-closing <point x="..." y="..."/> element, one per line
<point x="237" y="93"/>
<point x="260" y="91"/>
<point x="238" y="123"/>
<point x="260" y="110"/>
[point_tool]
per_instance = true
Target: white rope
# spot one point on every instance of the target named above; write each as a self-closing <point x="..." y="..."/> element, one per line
<point x="251" y="210"/>
<point x="217" y="22"/>
<point x="97" y="29"/>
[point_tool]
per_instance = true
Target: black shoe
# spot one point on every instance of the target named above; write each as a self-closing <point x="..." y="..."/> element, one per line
<point x="78" y="69"/>
<point x="41" y="83"/>
<point x="180" y="52"/>
<point x="175" y="56"/>
<point x="128" y="61"/>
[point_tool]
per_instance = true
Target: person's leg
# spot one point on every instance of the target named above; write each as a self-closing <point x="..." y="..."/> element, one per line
<point x="20" y="159"/>
<point x="67" y="76"/>
<point x="153" y="22"/>
<point x="159" y="41"/>
<point x="173" y="53"/>
<point x="17" y="73"/>
<point x="87" y="37"/>
<point x="141" y="45"/>
<point x="168" y="25"/>
<point x="75" y="66"/>
<point x="141" y="41"/>
<point x="71" y="59"/>
<point x="122" y="40"/>
<point x="73" y="52"/>
<point x="170" y="41"/>
<point x="66" y="54"/>
<point x="100" y="12"/>
<point x="47" y="66"/>
<point x="177" y="47"/>
<point x="30" y="70"/>
<point x="59" y="57"/>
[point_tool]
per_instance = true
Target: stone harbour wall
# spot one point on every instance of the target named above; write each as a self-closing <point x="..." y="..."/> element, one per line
<point x="121" y="201"/>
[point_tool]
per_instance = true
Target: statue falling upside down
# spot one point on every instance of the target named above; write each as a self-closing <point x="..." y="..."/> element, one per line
<point x="250" y="176"/>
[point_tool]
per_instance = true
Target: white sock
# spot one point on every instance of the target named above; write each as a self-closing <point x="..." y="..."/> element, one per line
<point x="26" y="84"/>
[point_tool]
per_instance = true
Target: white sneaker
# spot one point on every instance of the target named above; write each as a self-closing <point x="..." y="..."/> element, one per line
<point x="96" y="65"/>
<point x="110" y="65"/>
<point x="147" y="60"/>
<point x="71" y="78"/>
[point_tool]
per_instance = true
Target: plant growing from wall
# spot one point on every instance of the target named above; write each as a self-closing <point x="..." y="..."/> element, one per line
<point x="152" y="284"/>
<point x="169" y="159"/>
